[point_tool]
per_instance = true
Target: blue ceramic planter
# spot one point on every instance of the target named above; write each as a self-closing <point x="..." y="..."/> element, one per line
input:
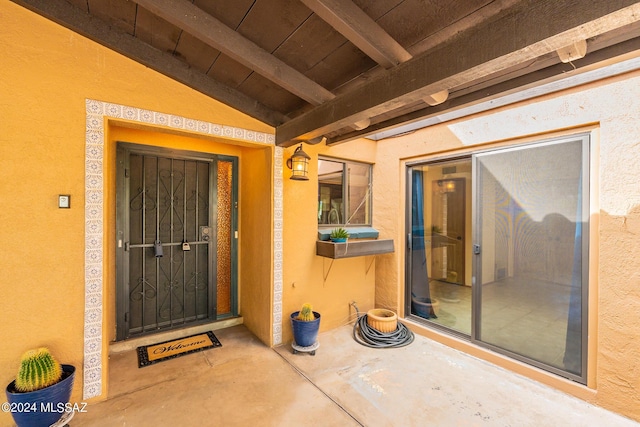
<point x="305" y="334"/>
<point x="42" y="407"/>
<point x="338" y="239"/>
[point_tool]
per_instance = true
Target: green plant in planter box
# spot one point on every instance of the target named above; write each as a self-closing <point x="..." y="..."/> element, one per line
<point x="38" y="369"/>
<point x="339" y="233"/>
<point x="306" y="313"/>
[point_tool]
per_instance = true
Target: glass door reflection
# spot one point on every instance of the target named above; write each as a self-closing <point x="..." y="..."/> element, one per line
<point x="440" y="276"/>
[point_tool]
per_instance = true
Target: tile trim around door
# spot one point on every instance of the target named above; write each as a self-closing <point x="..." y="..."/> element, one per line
<point x="96" y="112"/>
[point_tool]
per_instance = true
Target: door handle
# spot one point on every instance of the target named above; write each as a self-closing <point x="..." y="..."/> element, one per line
<point x="205" y="233"/>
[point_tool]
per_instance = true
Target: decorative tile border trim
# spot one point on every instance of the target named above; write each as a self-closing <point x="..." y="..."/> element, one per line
<point x="96" y="111"/>
<point x="278" y="214"/>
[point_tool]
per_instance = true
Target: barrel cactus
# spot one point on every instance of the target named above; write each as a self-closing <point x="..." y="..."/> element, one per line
<point x="306" y="313"/>
<point x="38" y="369"/>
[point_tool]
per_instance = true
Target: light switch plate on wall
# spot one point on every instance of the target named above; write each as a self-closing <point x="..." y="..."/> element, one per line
<point x="64" y="201"/>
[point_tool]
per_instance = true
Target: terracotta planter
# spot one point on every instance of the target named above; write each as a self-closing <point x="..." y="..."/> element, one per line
<point x="382" y="320"/>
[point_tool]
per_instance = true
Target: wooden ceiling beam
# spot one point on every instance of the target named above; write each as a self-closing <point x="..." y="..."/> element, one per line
<point x="79" y="21"/>
<point x="488" y="11"/>
<point x="211" y="31"/>
<point x="552" y="75"/>
<point x="358" y="27"/>
<point x="523" y="32"/>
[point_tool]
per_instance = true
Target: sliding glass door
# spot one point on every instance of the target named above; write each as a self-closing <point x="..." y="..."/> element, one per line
<point x="531" y="268"/>
<point x="527" y="251"/>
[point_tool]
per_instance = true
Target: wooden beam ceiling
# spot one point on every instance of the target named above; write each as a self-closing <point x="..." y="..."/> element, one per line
<point x="353" y="23"/>
<point x="487" y="12"/>
<point x="523" y="32"/>
<point x="214" y="33"/>
<point x="548" y="72"/>
<point x="474" y="50"/>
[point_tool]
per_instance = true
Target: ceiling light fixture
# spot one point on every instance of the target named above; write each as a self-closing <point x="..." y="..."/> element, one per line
<point x="436" y="98"/>
<point x="362" y="124"/>
<point x="317" y="140"/>
<point x="576" y="50"/>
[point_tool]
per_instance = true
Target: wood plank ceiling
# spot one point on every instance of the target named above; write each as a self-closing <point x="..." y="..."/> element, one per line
<point x="334" y="70"/>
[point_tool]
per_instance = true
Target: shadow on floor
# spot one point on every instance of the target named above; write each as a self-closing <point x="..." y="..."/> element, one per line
<point x="247" y="383"/>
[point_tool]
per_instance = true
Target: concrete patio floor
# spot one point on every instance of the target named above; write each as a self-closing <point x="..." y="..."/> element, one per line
<point x="246" y="383"/>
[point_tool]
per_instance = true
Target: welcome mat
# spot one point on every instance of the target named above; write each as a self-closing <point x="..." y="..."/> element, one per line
<point x="150" y="354"/>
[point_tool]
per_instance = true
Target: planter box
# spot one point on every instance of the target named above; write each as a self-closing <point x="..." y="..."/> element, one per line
<point x="353" y="248"/>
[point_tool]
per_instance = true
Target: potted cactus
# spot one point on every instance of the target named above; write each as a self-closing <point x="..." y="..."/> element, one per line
<point x="305" y="324"/>
<point x="339" y="235"/>
<point x="40" y="394"/>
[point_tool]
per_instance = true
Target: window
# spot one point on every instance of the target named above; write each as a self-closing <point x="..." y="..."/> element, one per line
<point x="344" y="193"/>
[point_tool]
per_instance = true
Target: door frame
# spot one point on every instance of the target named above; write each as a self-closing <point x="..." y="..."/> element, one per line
<point x="123" y="149"/>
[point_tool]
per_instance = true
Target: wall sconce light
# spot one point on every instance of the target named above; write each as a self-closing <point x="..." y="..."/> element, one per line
<point x="299" y="165"/>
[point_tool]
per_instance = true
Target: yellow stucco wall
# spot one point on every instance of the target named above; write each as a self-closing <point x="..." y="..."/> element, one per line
<point x="329" y="285"/>
<point x="47" y="74"/>
<point x="256" y="249"/>
<point x="609" y="110"/>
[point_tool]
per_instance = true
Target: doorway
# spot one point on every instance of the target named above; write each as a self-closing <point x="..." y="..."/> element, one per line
<point x="176" y="250"/>
<point x="448" y="228"/>
<point x="505" y="267"/>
